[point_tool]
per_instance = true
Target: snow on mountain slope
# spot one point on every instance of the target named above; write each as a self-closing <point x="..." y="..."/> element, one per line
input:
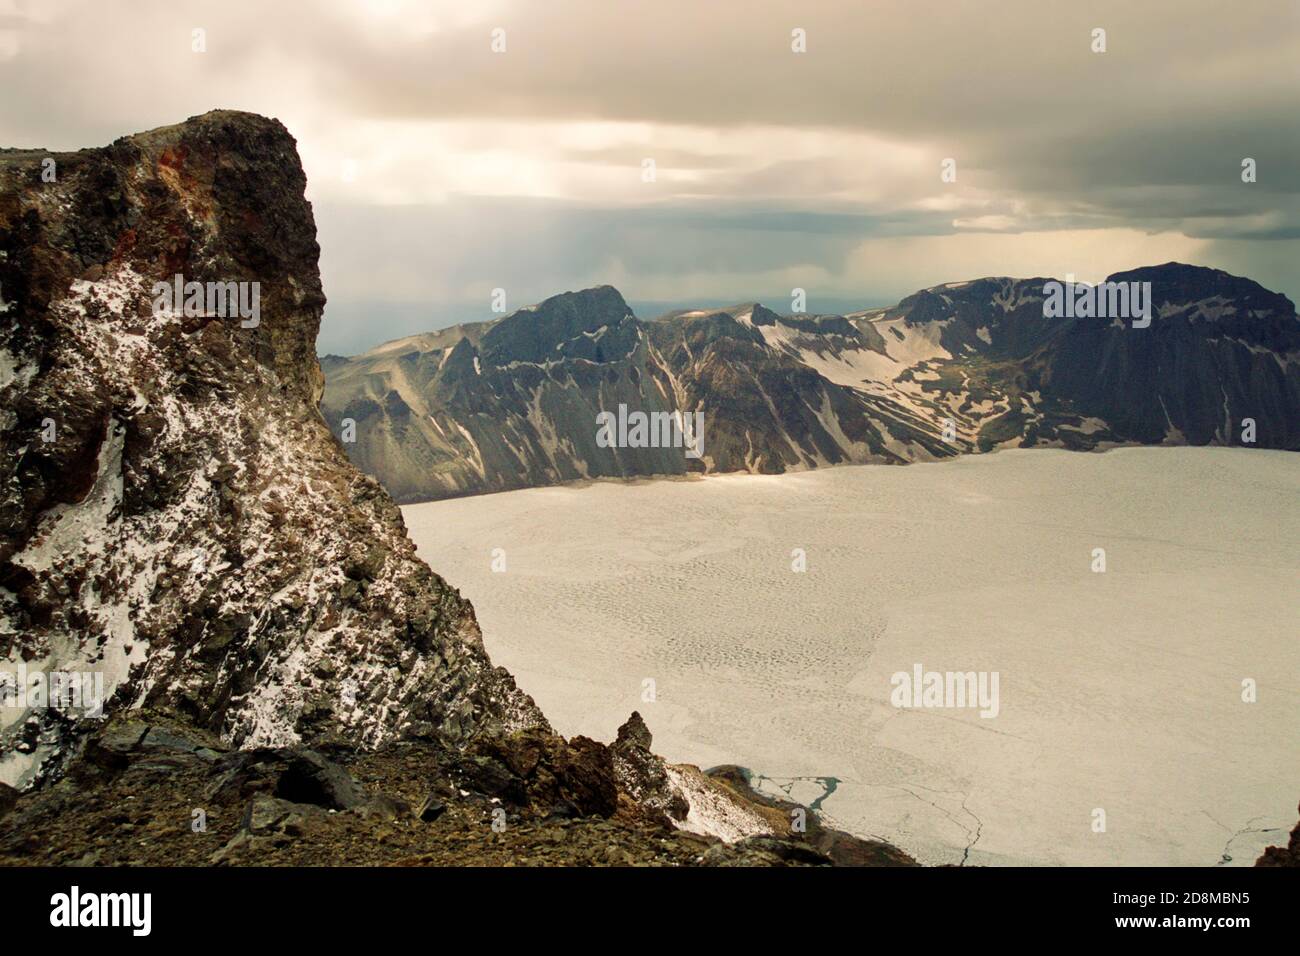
<point x="962" y="367"/>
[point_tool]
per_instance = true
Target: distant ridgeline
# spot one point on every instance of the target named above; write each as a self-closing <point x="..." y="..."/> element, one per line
<point x="1170" y="354"/>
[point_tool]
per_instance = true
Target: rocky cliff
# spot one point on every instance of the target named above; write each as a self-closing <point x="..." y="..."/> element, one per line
<point x="173" y="510"/>
<point x="965" y="367"/>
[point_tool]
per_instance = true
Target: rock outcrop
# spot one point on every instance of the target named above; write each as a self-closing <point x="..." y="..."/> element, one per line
<point x="964" y="367"/>
<point x="173" y="511"/>
<point x="149" y="790"/>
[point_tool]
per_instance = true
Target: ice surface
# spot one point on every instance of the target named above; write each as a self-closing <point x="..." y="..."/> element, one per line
<point x="1119" y="691"/>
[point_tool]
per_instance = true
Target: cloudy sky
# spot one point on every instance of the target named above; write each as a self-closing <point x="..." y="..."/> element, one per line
<point x="440" y="169"/>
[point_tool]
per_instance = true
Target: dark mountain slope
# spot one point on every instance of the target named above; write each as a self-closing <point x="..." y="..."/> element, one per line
<point x="968" y="366"/>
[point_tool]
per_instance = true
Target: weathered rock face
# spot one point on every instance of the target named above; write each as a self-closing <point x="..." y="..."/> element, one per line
<point x="174" y="513"/>
<point x="965" y="367"/>
<point x="643" y="776"/>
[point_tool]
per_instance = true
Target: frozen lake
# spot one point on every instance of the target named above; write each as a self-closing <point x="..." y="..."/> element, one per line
<point x="1118" y="692"/>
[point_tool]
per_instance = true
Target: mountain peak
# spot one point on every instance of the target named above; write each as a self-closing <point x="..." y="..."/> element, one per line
<point x="537" y="332"/>
<point x="1179" y="282"/>
<point x="599" y="301"/>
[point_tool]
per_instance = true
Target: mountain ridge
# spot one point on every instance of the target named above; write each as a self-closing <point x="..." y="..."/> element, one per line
<point x="955" y="368"/>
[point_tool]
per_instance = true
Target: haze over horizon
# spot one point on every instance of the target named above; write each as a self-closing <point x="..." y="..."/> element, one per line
<point x="440" y="169"/>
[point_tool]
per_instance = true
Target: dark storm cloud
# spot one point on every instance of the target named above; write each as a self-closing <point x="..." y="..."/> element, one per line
<point x="483" y="169"/>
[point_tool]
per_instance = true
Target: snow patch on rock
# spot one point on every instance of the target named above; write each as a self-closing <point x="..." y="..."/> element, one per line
<point x="713" y="810"/>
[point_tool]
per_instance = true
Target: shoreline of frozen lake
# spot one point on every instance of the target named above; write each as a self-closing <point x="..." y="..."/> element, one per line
<point x="1118" y="691"/>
